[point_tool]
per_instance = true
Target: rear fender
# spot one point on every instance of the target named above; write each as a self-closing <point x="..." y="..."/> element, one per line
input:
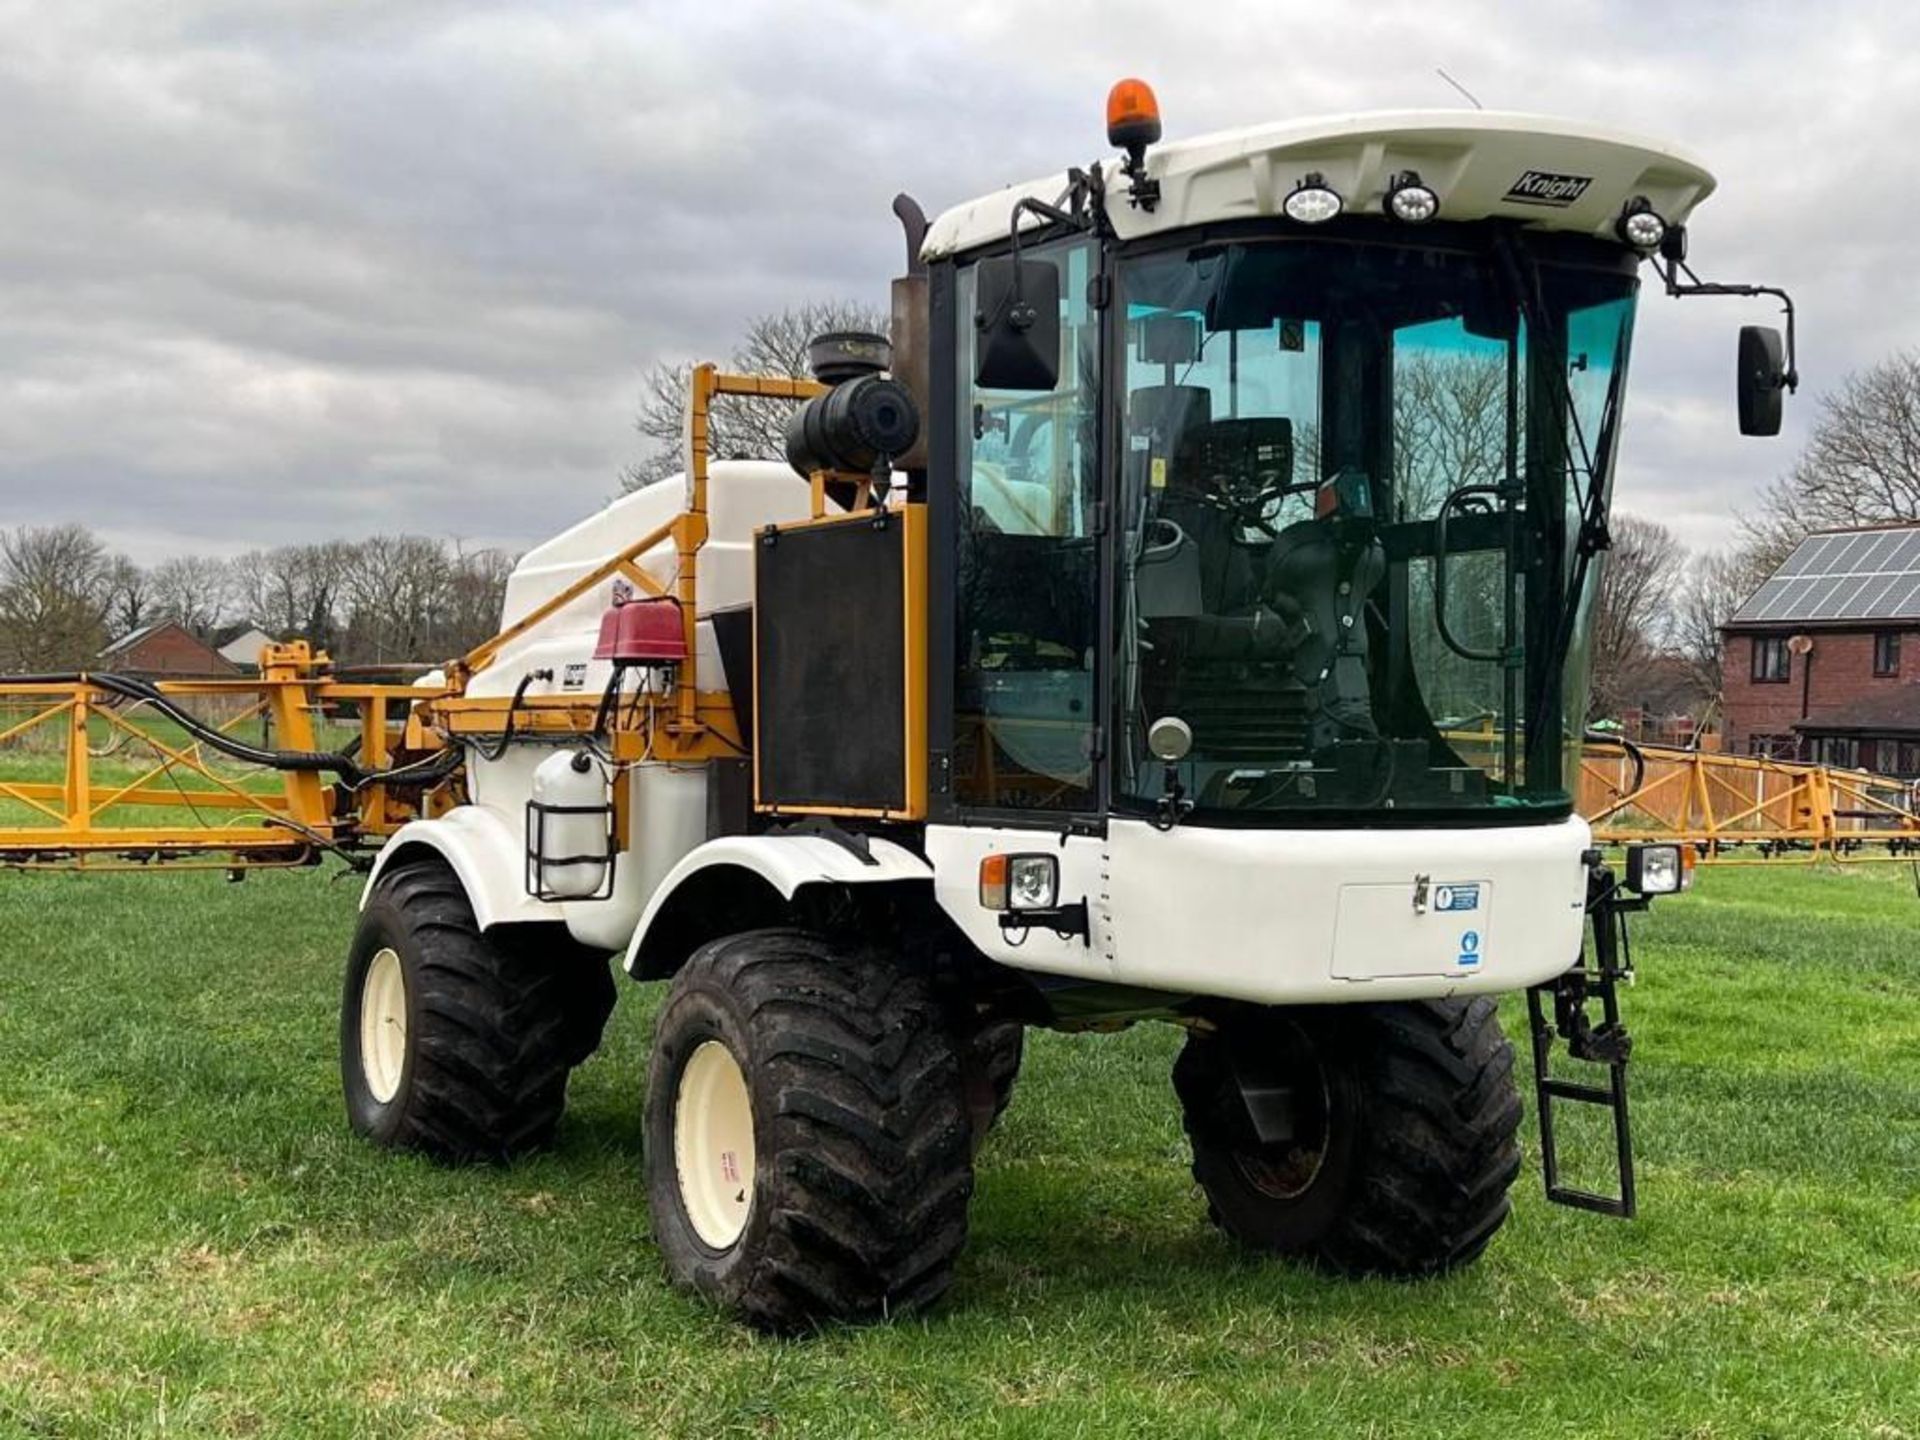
<point x="487" y="854"/>
<point x="744" y="882"/>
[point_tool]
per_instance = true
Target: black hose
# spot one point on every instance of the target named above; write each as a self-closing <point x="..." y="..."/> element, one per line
<point x="498" y="748"/>
<point x="334" y="761"/>
<point x="1601" y="737"/>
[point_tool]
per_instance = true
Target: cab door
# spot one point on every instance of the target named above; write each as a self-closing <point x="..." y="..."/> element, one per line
<point x="1027" y="539"/>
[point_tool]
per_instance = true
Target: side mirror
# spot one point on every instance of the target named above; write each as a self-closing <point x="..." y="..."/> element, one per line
<point x="1017" y="320"/>
<point x="1761" y="381"/>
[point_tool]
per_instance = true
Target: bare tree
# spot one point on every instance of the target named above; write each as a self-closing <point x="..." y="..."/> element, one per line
<point x="477" y="588"/>
<point x="394" y="591"/>
<point x="775" y="344"/>
<point x="410" y="599"/>
<point x="129" y="596"/>
<point x="1632" y="607"/>
<point x="1449" y="427"/>
<point x="1861" y="465"/>
<point x="296" y="589"/>
<point x="193" y="591"/>
<point x="53" y="597"/>
<point x="1714" y="586"/>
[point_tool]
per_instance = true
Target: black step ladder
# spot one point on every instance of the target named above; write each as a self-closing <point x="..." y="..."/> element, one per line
<point x="1607" y="1043"/>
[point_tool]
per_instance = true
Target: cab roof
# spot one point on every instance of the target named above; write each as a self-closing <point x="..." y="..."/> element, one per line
<point x="1549" y="173"/>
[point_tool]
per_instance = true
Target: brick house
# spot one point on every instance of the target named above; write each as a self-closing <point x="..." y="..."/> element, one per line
<point x="163" y="650"/>
<point x="1823" y="661"/>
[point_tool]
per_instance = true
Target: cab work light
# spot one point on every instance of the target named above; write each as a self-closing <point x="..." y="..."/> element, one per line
<point x="1410" y="201"/>
<point x="1659" y="869"/>
<point x="1640" y="225"/>
<point x="1312" y="201"/>
<point x="1019" y="882"/>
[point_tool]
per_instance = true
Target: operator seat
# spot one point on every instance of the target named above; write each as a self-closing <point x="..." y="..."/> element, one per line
<point x="1324" y="569"/>
<point x="1221" y="663"/>
<point x="1177" y="419"/>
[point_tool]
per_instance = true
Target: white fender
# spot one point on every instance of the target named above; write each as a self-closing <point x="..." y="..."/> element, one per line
<point x="787" y="863"/>
<point x="488" y="856"/>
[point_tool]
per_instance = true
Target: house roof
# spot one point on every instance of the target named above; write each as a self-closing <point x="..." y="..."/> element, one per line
<point x="1838" y="577"/>
<point x="134" y="637"/>
<point x="1894" y="710"/>
<point x="121" y="650"/>
<point x="245" y="648"/>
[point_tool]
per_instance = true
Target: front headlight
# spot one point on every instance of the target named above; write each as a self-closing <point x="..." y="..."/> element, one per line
<point x="1659" y="869"/>
<point x="1019" y="882"/>
<point x="1033" y="882"/>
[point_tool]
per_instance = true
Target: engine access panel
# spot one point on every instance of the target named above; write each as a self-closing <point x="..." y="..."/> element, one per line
<point x="840" y="665"/>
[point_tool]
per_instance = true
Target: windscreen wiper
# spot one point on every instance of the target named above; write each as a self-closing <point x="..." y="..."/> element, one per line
<point x="1522" y="273"/>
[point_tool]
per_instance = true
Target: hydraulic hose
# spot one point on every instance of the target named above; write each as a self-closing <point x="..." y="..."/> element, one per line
<point x="1602" y="737"/>
<point x="336" y="762"/>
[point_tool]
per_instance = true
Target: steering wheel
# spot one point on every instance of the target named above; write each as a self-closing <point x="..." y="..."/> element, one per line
<point x="1249" y="501"/>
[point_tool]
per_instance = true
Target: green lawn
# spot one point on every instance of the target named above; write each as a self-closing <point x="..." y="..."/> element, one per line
<point x="192" y="1244"/>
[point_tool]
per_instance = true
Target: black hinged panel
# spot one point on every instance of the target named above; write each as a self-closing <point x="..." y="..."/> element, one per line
<point x="830" y="666"/>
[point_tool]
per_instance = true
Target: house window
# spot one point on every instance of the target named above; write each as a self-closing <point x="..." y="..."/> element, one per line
<point x="1771" y="662"/>
<point x="1774" y="747"/>
<point x="1909" y="759"/>
<point x="1839" y="750"/>
<point x="1886" y="653"/>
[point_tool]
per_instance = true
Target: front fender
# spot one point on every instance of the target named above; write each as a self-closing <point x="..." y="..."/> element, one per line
<point x="760" y="867"/>
<point x="487" y="854"/>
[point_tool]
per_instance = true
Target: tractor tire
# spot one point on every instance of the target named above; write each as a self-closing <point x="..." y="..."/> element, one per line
<point x="808" y="1154"/>
<point x="1404" y="1120"/>
<point x="454" y="1044"/>
<point x="588" y="995"/>
<point x="990" y="1058"/>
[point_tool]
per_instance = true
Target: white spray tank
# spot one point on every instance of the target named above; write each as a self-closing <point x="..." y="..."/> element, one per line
<point x="570" y="828"/>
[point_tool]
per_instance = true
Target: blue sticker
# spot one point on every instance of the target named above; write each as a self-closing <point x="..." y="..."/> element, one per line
<point x="1456" y="897"/>
<point x="1469" y="949"/>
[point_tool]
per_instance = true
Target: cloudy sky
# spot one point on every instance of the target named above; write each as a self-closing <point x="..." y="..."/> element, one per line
<point x="290" y="269"/>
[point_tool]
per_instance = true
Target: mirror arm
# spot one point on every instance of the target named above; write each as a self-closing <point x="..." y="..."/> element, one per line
<point x="1694" y="285"/>
<point x="1078" y="188"/>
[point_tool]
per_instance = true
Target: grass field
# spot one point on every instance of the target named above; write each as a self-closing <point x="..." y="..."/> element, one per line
<point x="191" y="1243"/>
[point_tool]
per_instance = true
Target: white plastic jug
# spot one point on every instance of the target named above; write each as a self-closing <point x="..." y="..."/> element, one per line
<point x="569" y="826"/>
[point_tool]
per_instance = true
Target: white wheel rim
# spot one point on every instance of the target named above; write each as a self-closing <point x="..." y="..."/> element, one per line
<point x="383" y="1025"/>
<point x="713" y="1145"/>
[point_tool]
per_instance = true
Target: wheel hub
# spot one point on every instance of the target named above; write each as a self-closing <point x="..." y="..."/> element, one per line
<point x="383" y="1025"/>
<point x="713" y="1152"/>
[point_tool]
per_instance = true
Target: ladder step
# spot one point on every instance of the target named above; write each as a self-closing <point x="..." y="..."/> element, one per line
<point x="1587" y="1200"/>
<point x="1572" y="1090"/>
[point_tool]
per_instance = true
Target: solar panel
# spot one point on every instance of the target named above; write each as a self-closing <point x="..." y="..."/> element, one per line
<point x="1848" y="575"/>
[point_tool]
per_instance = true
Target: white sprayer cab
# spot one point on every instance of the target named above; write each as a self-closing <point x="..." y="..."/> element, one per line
<point x="1286" y="909"/>
<point x="1193" y="627"/>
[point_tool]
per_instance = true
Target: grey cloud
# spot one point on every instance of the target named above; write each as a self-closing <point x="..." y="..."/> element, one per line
<point x="285" y="268"/>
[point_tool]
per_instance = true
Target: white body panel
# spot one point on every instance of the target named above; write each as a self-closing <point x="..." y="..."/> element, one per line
<point x="1472" y="159"/>
<point x="956" y="852"/>
<point x="785" y="862"/>
<point x="1292" y="916"/>
<point x="486" y="840"/>
<point x="742" y="495"/>
<point x="487" y="853"/>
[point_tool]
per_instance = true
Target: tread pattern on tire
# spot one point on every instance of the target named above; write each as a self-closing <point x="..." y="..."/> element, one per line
<point x="1441" y="1140"/>
<point x="498" y="1029"/>
<point x="990" y="1057"/>
<point x="1437" y="1143"/>
<point x="868" y="1138"/>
